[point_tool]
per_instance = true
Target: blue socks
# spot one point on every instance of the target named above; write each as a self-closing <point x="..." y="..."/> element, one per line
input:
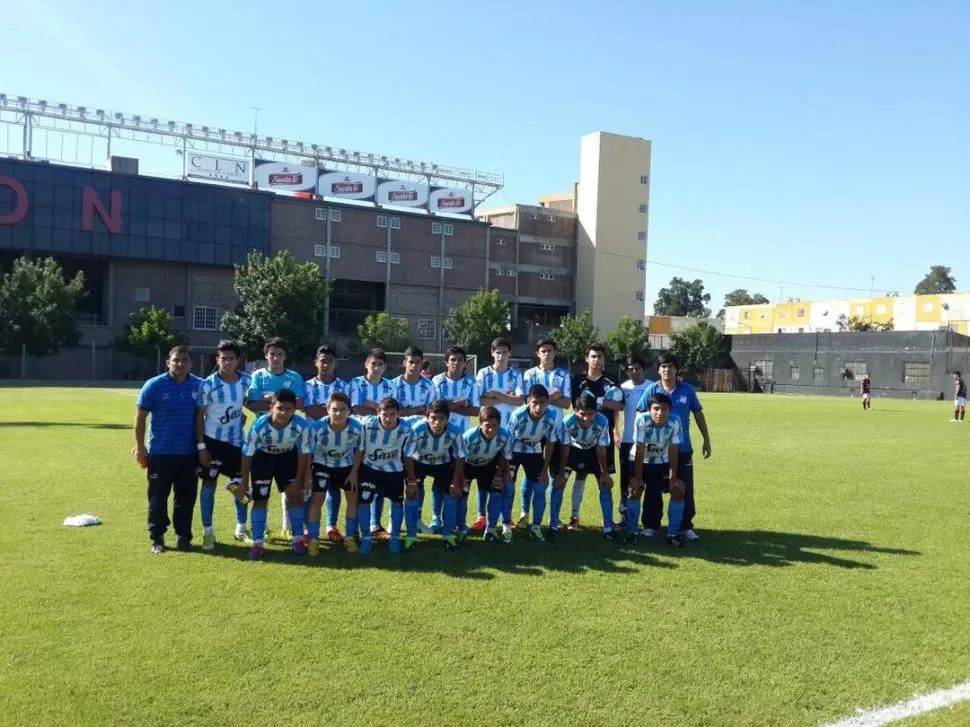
<point x="259" y="524"/>
<point x="508" y="501"/>
<point x="364" y="517"/>
<point x="350" y="527"/>
<point x="555" y="506"/>
<point x="493" y="507"/>
<point x="675" y="514"/>
<point x="437" y="504"/>
<point x="333" y="507"/>
<point x="539" y="502"/>
<point x="376" y="513"/>
<point x="632" y="516"/>
<point x="412" y="513"/>
<point x="397" y="517"/>
<point x="462" y="513"/>
<point x="208" y="503"/>
<point x="482" y="501"/>
<point x="313" y="527"/>
<point x="242" y="513"/>
<point x="450" y="515"/>
<point x="296" y="522"/>
<point x="606" y="507"/>
<point x="526" y="495"/>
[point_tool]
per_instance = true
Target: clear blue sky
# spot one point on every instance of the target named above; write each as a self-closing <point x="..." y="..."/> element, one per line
<point x="817" y="142"/>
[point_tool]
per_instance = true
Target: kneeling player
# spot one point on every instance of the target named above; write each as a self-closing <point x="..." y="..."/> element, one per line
<point x="586" y="437"/>
<point x="531" y="425"/>
<point x="336" y="443"/>
<point x="276" y="448"/>
<point x="382" y="471"/>
<point x="657" y="437"/>
<point x="436" y="449"/>
<point x="486" y="462"/>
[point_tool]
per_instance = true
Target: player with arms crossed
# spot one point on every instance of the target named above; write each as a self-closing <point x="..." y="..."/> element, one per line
<point x="336" y="445"/>
<point x="436" y="449"/>
<point x="382" y="472"/>
<point x="558" y="386"/>
<point x="865" y="388"/>
<point x="487" y="463"/>
<point x="657" y="437"/>
<point x="585" y="440"/>
<point x="277" y="448"/>
<point x="535" y="433"/>
<point x="959" y="397"/>
<point x="219" y="425"/>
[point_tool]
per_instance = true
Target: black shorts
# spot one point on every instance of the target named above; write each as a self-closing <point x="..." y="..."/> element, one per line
<point x="440" y="474"/>
<point x="374" y="483"/>
<point x="611" y="458"/>
<point x="226" y="460"/>
<point x="583" y="462"/>
<point x="266" y="468"/>
<point x="483" y="475"/>
<point x="656" y="477"/>
<point x="531" y="463"/>
<point x="330" y="478"/>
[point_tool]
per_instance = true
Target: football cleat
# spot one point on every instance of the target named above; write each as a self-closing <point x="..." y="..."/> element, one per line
<point x="490" y="536"/>
<point x="184" y="545"/>
<point x="535" y="534"/>
<point x="523" y="522"/>
<point x="428" y="529"/>
<point x="299" y="548"/>
<point x="451" y="543"/>
<point x="314" y="548"/>
<point x="609" y="535"/>
<point x="365" y="545"/>
<point x="462" y="536"/>
<point x="479" y="524"/>
<point x="690" y="535"/>
<point x="240" y="533"/>
<point x="158" y="547"/>
<point x="208" y="542"/>
<point x="334" y="536"/>
<point x="675" y="541"/>
<point x="552" y="534"/>
<point x="380" y="534"/>
<point x="573" y="524"/>
<point x="351" y="545"/>
<point x="394" y="545"/>
<point x="648" y="532"/>
<point x="507" y="535"/>
<point x="631" y="539"/>
<point x="256" y="552"/>
<point x="409" y="543"/>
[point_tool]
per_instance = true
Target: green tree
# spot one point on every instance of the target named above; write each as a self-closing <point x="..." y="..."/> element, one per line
<point x="38" y="307"/>
<point x="277" y="297"/>
<point x="629" y="338"/>
<point x="696" y="348"/>
<point x="476" y="322"/>
<point x="937" y="280"/>
<point x="683" y="298"/>
<point x="574" y="336"/>
<point x="858" y="323"/>
<point x="379" y="330"/>
<point x="149" y="335"/>
<point x="741" y="296"/>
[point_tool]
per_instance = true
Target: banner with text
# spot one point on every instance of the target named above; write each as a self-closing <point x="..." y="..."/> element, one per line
<point x="285" y="177"/>
<point x="225" y="169"/>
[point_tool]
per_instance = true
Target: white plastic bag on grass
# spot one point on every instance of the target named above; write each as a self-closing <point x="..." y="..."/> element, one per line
<point x="82" y="521"/>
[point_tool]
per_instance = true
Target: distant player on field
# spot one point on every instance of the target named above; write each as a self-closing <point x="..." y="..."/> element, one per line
<point x="865" y="388"/>
<point x="486" y="462"/>
<point x="959" y="397"/>
<point x="415" y="393"/>
<point x="633" y="389"/>
<point x="382" y="472"/>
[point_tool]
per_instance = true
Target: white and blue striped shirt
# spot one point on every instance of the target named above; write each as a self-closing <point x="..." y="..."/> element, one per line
<point x="555" y="380"/>
<point x="597" y="435"/>
<point x="527" y="434"/>
<point x="655" y="439"/>
<point x="264" y="437"/>
<point x="362" y="390"/>
<point x="335" y="449"/>
<point x="507" y="382"/>
<point x="426" y="448"/>
<point x="223" y="404"/>
<point x="465" y="388"/>
<point x="411" y="395"/>
<point x="481" y="451"/>
<point x="318" y="392"/>
<point x="384" y="448"/>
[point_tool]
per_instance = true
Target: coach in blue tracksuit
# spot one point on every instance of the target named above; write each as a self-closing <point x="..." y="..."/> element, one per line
<point x="684" y="403"/>
<point x="171" y="456"/>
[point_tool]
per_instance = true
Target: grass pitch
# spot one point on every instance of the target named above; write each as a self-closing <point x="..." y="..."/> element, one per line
<point x="833" y="574"/>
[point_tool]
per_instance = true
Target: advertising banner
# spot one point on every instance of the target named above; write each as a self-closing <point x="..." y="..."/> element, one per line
<point x="451" y="200"/>
<point x="396" y="193"/>
<point x="225" y="169"/>
<point x="285" y="177"/>
<point x="347" y="185"/>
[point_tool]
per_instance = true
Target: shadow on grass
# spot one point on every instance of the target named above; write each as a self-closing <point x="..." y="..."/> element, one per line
<point x="82" y="425"/>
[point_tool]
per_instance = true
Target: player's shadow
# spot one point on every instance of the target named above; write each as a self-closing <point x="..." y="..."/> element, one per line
<point x="760" y="547"/>
<point x="81" y="425"/>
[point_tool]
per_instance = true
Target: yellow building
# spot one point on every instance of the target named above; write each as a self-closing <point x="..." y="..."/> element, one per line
<point x="906" y="313"/>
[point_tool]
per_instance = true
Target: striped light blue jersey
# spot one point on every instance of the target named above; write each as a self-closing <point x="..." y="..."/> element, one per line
<point x="527" y="434"/>
<point x="465" y="388"/>
<point x="223" y="404"/>
<point x="555" y="380"/>
<point x="362" y="390"/>
<point x="384" y="448"/>
<point x="264" y="437"/>
<point x="654" y="438"/>
<point x="409" y="395"/>
<point x="426" y="448"/>
<point x="318" y="392"/>
<point x="507" y="382"/>
<point x="481" y="451"/>
<point x="264" y="382"/>
<point x="597" y="435"/>
<point x="331" y="448"/>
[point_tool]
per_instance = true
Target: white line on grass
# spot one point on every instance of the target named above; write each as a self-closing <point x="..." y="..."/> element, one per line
<point x="919" y="704"/>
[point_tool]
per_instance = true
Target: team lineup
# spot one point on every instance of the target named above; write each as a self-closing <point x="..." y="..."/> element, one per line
<point x="372" y="444"/>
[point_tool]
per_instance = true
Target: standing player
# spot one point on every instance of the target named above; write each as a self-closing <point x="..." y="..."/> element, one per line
<point x="585" y="440"/>
<point x="535" y="433"/>
<point x="277" y="448"/>
<point x="486" y="462"/>
<point x="219" y="424"/>
<point x="265" y="383"/>
<point x="684" y="402"/>
<point x="436" y="449"/>
<point x="366" y="393"/>
<point x="336" y="444"/>
<point x="633" y="389"/>
<point x="382" y="472"/>
<point x="171" y="456"/>
<point x="657" y="437"/>
<point x="415" y="393"/>
<point x="865" y="388"/>
<point x="498" y="386"/>
<point x="959" y="397"/>
<point x="609" y="400"/>
<point x="559" y="387"/>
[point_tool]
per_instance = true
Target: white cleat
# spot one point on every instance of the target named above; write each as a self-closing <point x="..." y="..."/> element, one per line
<point x="690" y="535"/>
<point x="648" y="532"/>
<point x="425" y="529"/>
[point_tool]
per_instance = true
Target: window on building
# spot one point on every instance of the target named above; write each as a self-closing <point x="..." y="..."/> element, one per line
<point x="500" y="241"/>
<point x="205" y="318"/>
<point x="546" y="276"/>
<point x="800" y="313"/>
<point x="547" y="247"/>
<point x="928" y="307"/>
<point x="782" y="314"/>
<point x="881" y="309"/>
<point x="320" y="213"/>
<point x="641" y="264"/>
<point x="856" y="369"/>
<point x="916" y="372"/>
<point x="427" y="329"/>
<point x="747" y="315"/>
<point x="178" y="311"/>
<point x="860" y="310"/>
<point x="336" y="216"/>
<point x="639" y="295"/>
<point x="765" y="367"/>
<point x="643" y="209"/>
<point x="641" y="236"/>
<point x="382" y="220"/>
<point x="644" y="179"/>
<point x="395" y="223"/>
<point x="143" y="295"/>
<point x="818" y="374"/>
<point x="551" y="218"/>
<point x="510" y="273"/>
<point x="381" y="256"/>
<point x="319" y="250"/>
<point x="435" y="261"/>
<point x="395" y="258"/>
<point x="448" y="230"/>
<point x="335" y="252"/>
<point x="449" y="263"/>
<point x="435" y="228"/>
<point x="795" y="373"/>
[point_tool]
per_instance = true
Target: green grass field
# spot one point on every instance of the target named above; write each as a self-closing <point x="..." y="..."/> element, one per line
<point x="833" y="574"/>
